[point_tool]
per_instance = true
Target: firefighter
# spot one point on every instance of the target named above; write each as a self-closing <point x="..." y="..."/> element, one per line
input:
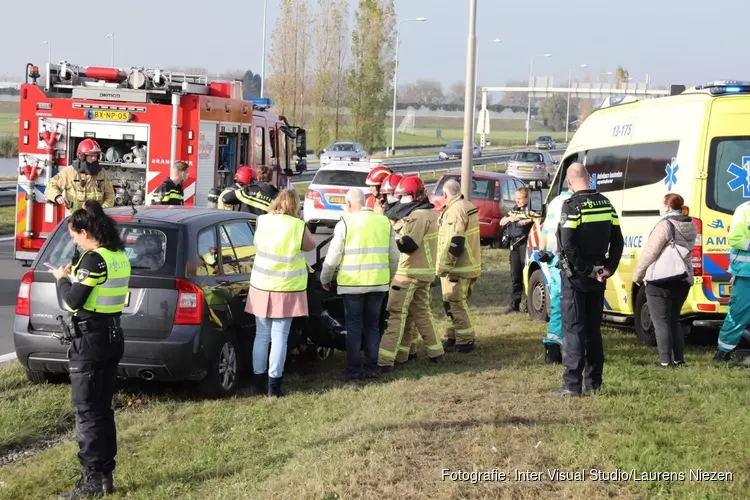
<point x="83" y="180"/>
<point x="245" y="176"/>
<point x="375" y="180"/>
<point x="254" y="198"/>
<point x="548" y="241"/>
<point x="459" y="264"/>
<point x="409" y="295"/>
<point x="170" y="191"/>
<point x="95" y="290"/>
<point x="213" y="198"/>
<point x="591" y="244"/>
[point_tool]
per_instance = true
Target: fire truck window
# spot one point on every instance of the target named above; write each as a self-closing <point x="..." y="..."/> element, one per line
<point x="259" y="149"/>
<point x="272" y="143"/>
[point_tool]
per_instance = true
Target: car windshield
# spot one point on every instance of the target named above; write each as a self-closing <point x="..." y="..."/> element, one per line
<point x="455" y="145"/>
<point x="340" y="178"/>
<point x="482" y="189"/>
<point x="729" y="173"/>
<point x="152" y="250"/>
<point x="544" y="138"/>
<point x="342" y="147"/>
<point x="529" y="157"/>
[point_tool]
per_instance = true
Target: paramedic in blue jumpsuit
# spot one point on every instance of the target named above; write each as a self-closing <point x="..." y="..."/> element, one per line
<point x="553" y="341"/>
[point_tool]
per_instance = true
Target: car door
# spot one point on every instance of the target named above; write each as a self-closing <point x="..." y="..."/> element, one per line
<point x="238" y="255"/>
<point x="208" y="273"/>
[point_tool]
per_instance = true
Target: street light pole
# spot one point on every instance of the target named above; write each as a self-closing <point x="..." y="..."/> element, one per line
<point x="570" y="84"/>
<point x="531" y="82"/>
<point x="476" y="79"/>
<point x="263" y="62"/>
<point x="395" y="79"/>
<point x="49" y="52"/>
<point x="112" y="59"/>
<point x="467" y="155"/>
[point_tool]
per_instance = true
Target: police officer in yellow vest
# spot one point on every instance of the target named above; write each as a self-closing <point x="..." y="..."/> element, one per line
<point x="459" y="264"/>
<point x="95" y="289"/>
<point x="364" y="251"/>
<point x="409" y="296"/>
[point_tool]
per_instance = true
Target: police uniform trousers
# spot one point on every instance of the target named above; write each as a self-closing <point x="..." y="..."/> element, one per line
<point x="408" y="297"/>
<point x="583" y="353"/>
<point x="93" y="359"/>
<point x="456" y="295"/>
<point x="554" y="327"/>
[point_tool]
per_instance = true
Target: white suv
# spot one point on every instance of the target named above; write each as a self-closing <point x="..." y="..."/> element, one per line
<point x="326" y="196"/>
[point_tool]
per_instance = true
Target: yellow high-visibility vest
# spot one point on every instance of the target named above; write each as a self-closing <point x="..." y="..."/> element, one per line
<point x="366" y="250"/>
<point x="280" y="264"/>
<point x="110" y="288"/>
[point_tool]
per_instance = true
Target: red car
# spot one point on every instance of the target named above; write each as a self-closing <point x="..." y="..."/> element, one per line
<point x="492" y="192"/>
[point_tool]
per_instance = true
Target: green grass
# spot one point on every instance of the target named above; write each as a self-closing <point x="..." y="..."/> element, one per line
<point x="7" y="219"/>
<point x="9" y="122"/>
<point x="483" y="411"/>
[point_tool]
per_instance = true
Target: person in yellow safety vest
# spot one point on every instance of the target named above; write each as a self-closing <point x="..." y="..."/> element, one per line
<point x="95" y="290"/>
<point x="459" y="264"/>
<point x="245" y="176"/>
<point x="83" y="180"/>
<point x="409" y="295"/>
<point x="254" y="198"/>
<point x="278" y="284"/>
<point x="364" y="251"/>
<point x="170" y="191"/>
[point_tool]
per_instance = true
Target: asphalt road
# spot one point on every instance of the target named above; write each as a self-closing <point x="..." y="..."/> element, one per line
<point x="11" y="273"/>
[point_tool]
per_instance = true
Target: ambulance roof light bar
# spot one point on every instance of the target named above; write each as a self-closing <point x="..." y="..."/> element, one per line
<point x="726" y="87"/>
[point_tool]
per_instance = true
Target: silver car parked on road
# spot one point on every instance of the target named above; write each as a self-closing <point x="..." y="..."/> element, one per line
<point x="532" y="165"/>
<point x="343" y="151"/>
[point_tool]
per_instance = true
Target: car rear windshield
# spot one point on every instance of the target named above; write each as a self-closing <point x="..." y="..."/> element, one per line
<point x="544" y="138"/>
<point x="729" y="173"/>
<point x="340" y="178"/>
<point x="530" y="157"/>
<point x="152" y="250"/>
<point x="481" y="189"/>
<point x="342" y="147"/>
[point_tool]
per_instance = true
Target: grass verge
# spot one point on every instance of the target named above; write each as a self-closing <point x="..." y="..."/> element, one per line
<point x="488" y="410"/>
<point x="7" y="220"/>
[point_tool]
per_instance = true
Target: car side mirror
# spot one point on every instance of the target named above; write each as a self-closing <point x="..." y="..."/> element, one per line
<point x="301" y="143"/>
<point x="536" y="202"/>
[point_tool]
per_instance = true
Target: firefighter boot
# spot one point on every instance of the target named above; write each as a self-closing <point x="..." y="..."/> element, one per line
<point x="108" y="483"/>
<point x="89" y="486"/>
<point x="554" y="353"/>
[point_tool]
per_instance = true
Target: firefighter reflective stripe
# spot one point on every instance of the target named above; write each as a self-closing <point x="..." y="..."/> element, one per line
<point x="366" y="250"/>
<point x="253" y="201"/>
<point x="109" y="292"/>
<point x="474" y="264"/>
<point x="427" y="242"/>
<point x="170" y="195"/>
<point x="280" y="265"/>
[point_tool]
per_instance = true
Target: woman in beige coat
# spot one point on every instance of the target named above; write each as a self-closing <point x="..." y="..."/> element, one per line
<point x="665" y="300"/>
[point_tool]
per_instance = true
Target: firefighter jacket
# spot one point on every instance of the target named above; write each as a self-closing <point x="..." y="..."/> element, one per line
<point x="458" y="239"/>
<point x="78" y="187"/>
<point x="168" y="193"/>
<point x="255" y="198"/>
<point x="739" y="242"/>
<point x="416" y="237"/>
<point x="225" y="206"/>
<point x="280" y="264"/>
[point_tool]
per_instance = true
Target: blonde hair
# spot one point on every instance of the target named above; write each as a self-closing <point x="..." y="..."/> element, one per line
<point x="287" y="203"/>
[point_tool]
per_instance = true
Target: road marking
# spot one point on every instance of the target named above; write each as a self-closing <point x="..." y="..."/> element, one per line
<point x="6" y="358"/>
<point x="7" y="238"/>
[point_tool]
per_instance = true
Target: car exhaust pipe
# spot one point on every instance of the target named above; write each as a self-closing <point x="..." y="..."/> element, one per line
<point x="147" y="375"/>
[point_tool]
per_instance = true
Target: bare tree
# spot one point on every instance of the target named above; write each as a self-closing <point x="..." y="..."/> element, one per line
<point x="457" y="93"/>
<point x="340" y="32"/>
<point x="515" y="99"/>
<point x="424" y="91"/>
<point x="323" y="74"/>
<point x="621" y="75"/>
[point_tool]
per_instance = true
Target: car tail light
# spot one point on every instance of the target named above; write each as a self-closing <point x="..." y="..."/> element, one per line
<point x="23" y="307"/>
<point x="697" y="255"/>
<point x="540" y="165"/>
<point x="316" y="197"/>
<point x="189" y="303"/>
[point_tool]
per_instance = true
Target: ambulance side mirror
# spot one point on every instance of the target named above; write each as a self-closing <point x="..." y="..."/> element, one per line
<point x="536" y="202"/>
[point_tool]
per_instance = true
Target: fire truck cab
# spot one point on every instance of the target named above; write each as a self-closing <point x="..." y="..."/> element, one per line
<point x="144" y="120"/>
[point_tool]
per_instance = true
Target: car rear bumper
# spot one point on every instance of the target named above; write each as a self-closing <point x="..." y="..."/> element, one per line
<point x="178" y="357"/>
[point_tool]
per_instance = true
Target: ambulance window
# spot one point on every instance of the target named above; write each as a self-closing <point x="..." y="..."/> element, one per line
<point x="259" y="148"/>
<point x="607" y="168"/>
<point x="559" y="181"/>
<point x="728" y="167"/>
<point x="651" y="163"/>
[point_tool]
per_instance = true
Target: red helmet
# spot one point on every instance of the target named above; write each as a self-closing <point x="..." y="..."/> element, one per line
<point x="377" y="174"/>
<point x="413" y="186"/>
<point x="88" y="147"/>
<point x="390" y="183"/>
<point x="245" y="175"/>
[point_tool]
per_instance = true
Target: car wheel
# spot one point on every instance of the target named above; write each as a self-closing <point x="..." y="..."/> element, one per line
<point x="37" y="377"/>
<point x="312" y="227"/>
<point x="644" y="327"/>
<point x="223" y="374"/>
<point x="537" y="299"/>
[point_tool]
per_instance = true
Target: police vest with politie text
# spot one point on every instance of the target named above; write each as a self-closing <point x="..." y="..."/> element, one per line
<point x="109" y="285"/>
<point x="365" y="260"/>
<point x="280" y="264"/>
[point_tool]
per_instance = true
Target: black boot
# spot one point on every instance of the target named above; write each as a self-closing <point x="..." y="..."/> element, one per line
<point x="108" y="483"/>
<point x="449" y="343"/>
<point x="260" y="383"/>
<point x="89" y="486"/>
<point x="721" y="357"/>
<point x="512" y="308"/>
<point x="554" y="354"/>
<point x="462" y="348"/>
<point x="274" y="387"/>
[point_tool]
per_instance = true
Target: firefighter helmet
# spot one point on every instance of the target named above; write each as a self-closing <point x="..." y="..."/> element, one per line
<point x="377" y="174"/>
<point x="413" y="186"/>
<point x="389" y="184"/>
<point x="245" y="175"/>
<point x="88" y="147"/>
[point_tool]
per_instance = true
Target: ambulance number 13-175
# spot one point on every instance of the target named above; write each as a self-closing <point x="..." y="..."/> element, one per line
<point x="622" y="130"/>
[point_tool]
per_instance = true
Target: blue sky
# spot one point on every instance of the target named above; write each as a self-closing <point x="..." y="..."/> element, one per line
<point x="677" y="42"/>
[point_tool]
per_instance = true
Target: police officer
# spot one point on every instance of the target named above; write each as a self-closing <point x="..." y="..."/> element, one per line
<point x="244" y="176"/>
<point x="738" y="314"/>
<point x="590" y="242"/>
<point x="409" y="295"/>
<point x="95" y="289"/>
<point x="375" y="180"/>
<point x="170" y="191"/>
<point x="83" y="180"/>
<point x="254" y="198"/>
<point x="517" y="225"/>
<point x="548" y="241"/>
<point x="459" y="265"/>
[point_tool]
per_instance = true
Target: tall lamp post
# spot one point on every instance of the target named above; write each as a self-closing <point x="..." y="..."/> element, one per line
<point x="263" y="62"/>
<point x="49" y="51"/>
<point x="570" y="84"/>
<point x="476" y="79"/>
<point x="112" y="58"/>
<point x="467" y="155"/>
<point x="395" y="78"/>
<point x="531" y="82"/>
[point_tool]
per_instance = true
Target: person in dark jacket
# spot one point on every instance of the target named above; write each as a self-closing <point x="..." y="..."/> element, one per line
<point x="254" y="198"/>
<point x="170" y="191"/>
<point x="517" y="225"/>
<point x="665" y="300"/>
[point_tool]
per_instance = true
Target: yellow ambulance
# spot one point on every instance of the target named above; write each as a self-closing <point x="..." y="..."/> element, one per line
<point x="696" y="144"/>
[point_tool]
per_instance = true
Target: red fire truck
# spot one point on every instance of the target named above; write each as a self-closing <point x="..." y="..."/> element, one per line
<point x="144" y="120"/>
